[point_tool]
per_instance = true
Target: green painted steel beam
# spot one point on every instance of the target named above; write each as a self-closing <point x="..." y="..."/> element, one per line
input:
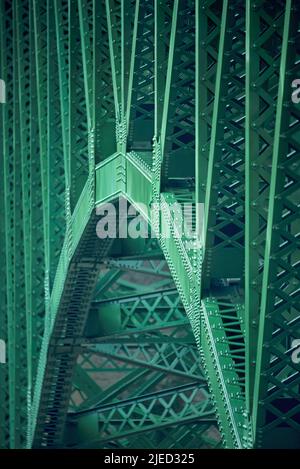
<point x="143" y="414"/>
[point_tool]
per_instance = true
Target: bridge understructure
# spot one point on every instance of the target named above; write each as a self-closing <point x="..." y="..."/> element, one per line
<point x="179" y="341"/>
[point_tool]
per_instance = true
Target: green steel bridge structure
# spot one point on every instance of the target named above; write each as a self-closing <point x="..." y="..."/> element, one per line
<point x="179" y="341"/>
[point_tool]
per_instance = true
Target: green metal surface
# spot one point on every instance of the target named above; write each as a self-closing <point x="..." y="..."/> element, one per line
<point x="182" y="341"/>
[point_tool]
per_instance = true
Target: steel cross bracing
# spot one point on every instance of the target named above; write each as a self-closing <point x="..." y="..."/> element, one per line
<point x="150" y="342"/>
<point x="144" y="357"/>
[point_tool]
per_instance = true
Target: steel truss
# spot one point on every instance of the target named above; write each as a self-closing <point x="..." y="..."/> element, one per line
<point x="169" y="342"/>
